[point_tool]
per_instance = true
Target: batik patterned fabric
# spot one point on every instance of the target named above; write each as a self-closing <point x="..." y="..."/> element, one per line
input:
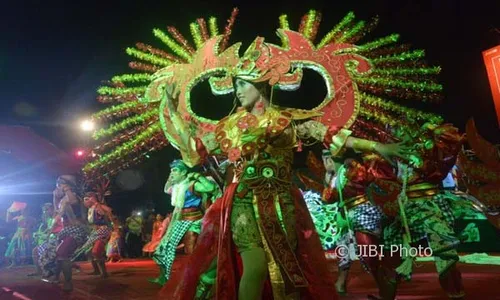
<point x="164" y="255"/>
<point x="100" y="233"/>
<point x="323" y="216"/>
<point x="366" y="218"/>
<point x="47" y="256"/>
<point x="47" y="251"/>
<point x="431" y="219"/>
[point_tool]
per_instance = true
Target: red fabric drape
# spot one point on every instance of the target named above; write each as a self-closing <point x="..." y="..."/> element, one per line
<point x="215" y="242"/>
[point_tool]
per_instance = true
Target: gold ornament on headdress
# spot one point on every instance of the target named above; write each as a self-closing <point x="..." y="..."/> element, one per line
<point x="361" y="81"/>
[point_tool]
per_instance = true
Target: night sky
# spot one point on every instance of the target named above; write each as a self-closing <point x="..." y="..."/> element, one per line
<point x="54" y="54"/>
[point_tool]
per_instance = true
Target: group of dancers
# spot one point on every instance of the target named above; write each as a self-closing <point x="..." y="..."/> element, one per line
<point x="249" y="234"/>
<point x="258" y="240"/>
<point x="370" y="181"/>
<point x="65" y="234"/>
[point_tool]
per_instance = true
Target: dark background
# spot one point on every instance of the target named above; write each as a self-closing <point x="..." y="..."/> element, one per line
<point x="54" y="54"/>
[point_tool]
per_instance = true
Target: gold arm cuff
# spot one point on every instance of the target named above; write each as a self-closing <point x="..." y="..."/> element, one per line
<point x="356" y="201"/>
<point x="422" y="190"/>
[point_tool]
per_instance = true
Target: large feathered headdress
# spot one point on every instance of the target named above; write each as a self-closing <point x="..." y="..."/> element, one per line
<point x="362" y="82"/>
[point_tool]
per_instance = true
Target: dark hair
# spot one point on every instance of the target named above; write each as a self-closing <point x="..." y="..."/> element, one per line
<point x="264" y="89"/>
<point x="91" y="194"/>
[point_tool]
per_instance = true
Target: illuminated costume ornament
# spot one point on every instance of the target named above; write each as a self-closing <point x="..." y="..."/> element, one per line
<point x="262" y="201"/>
<point x="361" y="80"/>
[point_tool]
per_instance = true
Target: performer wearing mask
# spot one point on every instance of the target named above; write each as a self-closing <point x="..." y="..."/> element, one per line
<point x="187" y="190"/>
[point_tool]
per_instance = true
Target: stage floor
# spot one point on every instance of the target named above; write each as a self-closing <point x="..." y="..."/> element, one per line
<point x="128" y="280"/>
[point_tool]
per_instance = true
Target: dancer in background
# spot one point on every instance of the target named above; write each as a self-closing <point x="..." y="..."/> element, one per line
<point x="425" y="215"/>
<point x="20" y="247"/>
<point x="187" y="190"/>
<point x="156" y="236"/>
<point x="99" y="217"/>
<point x="115" y="244"/>
<point x="43" y="232"/>
<point x="42" y="235"/>
<point x="57" y="256"/>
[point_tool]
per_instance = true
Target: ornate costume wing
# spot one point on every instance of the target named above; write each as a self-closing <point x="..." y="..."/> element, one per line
<point x="134" y="126"/>
<point x="362" y="81"/>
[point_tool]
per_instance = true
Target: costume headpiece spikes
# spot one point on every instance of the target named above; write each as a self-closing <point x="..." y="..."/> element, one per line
<point x="361" y="81"/>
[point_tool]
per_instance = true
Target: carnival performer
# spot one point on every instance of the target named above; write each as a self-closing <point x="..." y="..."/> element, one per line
<point x="188" y="191"/>
<point x="99" y="217"/>
<point x="262" y="217"/>
<point x="425" y="215"/>
<point x="42" y="235"/>
<point x="57" y="255"/>
<point x="260" y="181"/>
<point x="156" y="235"/>
<point x="344" y="235"/>
<point x="362" y="218"/>
<point x="319" y="199"/>
<point x="43" y="232"/>
<point x="20" y="247"/>
<point x="114" y="246"/>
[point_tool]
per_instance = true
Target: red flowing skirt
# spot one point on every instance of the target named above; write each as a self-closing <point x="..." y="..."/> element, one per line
<point x="215" y="242"/>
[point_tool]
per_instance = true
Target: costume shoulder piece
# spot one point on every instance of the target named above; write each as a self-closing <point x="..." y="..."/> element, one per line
<point x="361" y="80"/>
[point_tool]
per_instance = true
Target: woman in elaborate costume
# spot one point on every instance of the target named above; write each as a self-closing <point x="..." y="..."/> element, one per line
<point x="262" y="207"/>
<point x="262" y="218"/>
<point x="263" y="212"/>
<point x="20" y="247"/>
